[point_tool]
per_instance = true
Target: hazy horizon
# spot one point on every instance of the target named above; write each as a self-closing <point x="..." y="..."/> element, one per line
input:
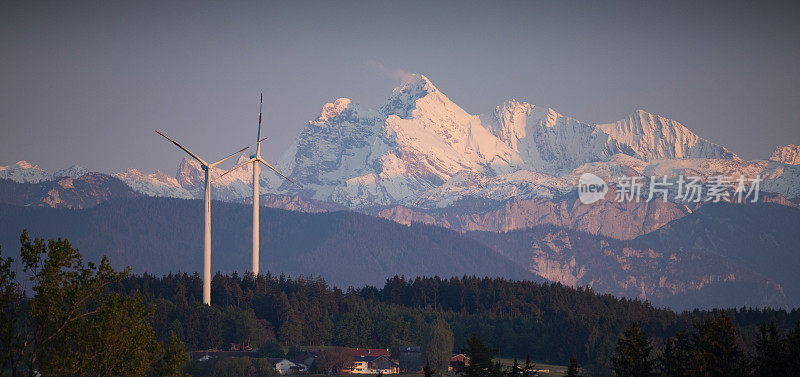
<point x="87" y="83"/>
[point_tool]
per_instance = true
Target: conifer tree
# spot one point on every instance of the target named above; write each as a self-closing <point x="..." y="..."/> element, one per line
<point x="633" y="355"/>
<point x="529" y="369"/>
<point x="573" y="370"/>
<point x="771" y="358"/>
<point x="481" y="360"/>
<point x="676" y="358"/>
<point x="715" y="352"/>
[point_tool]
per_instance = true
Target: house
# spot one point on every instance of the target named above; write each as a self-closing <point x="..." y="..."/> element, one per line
<point x="305" y="359"/>
<point x="373" y="365"/>
<point x="457" y="362"/>
<point x="284" y="366"/>
<point x="410" y="359"/>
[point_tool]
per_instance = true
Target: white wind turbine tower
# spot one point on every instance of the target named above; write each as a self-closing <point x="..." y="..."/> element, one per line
<point x="207" y="202"/>
<point x="255" y="159"/>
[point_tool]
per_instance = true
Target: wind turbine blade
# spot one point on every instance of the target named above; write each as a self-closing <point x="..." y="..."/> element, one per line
<point x="184" y="149"/>
<point x="260" y="102"/>
<point x="232" y="169"/>
<point x="279" y="173"/>
<point x="230" y="155"/>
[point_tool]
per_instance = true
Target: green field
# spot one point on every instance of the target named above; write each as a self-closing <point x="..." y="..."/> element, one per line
<point x="555" y="370"/>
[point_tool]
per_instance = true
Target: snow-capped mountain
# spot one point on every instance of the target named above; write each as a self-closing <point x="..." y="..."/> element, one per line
<point x="652" y="136"/>
<point x="154" y="184"/>
<point x="415" y="142"/>
<point x="24" y="172"/>
<point x="230" y="187"/>
<point x="421" y="149"/>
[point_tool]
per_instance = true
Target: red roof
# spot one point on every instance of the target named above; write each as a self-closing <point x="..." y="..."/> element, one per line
<point x="370" y="352"/>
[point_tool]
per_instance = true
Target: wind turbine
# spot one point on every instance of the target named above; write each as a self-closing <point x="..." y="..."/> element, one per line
<point x="255" y="159"/>
<point x="207" y="202"/>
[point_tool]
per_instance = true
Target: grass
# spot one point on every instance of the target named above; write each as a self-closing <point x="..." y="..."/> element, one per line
<point x="555" y="370"/>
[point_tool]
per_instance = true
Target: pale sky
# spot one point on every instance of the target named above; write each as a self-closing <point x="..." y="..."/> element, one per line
<point x="88" y="82"/>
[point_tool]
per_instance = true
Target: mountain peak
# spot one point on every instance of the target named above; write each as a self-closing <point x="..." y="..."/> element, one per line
<point x="417" y="83"/>
<point x="404" y="97"/>
<point x="24" y="164"/>
<point x="331" y="110"/>
<point x="653" y="136"/>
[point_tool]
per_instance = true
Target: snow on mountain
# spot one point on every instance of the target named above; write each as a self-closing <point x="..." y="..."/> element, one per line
<point x="421" y="149"/>
<point x="521" y="184"/>
<point x="23" y="172"/>
<point x="547" y="141"/>
<point x="415" y="142"/>
<point x="619" y="166"/>
<point x="74" y="171"/>
<point x="652" y="136"/>
<point x="230" y="187"/>
<point x="788" y="154"/>
<point x="155" y="184"/>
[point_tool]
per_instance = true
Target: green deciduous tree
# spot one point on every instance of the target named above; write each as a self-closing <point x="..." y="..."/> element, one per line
<point x="439" y="347"/>
<point x="12" y="339"/>
<point x="72" y="326"/>
<point x="333" y="359"/>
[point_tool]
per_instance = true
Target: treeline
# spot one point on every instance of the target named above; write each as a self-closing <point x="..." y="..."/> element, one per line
<point x="710" y="349"/>
<point x="78" y="315"/>
<point x="551" y="322"/>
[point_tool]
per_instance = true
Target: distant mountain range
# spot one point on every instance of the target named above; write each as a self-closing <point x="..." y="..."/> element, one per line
<point x="420" y="149"/>
<point x="504" y="181"/>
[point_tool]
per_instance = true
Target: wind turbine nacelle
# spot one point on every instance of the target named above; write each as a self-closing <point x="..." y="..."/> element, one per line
<point x="252" y="156"/>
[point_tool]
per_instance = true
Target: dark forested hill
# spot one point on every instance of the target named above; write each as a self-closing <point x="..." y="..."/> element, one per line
<point x="762" y="237"/>
<point x="158" y="236"/>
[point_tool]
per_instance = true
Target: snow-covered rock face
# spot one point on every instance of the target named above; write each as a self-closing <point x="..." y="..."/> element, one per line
<point x="415" y="142"/>
<point x="547" y="141"/>
<point x="789" y="154"/>
<point x="421" y="149"/>
<point x="24" y="172"/>
<point x="652" y="137"/>
<point x="74" y="171"/>
<point x="232" y="186"/>
<point x="155" y="184"/>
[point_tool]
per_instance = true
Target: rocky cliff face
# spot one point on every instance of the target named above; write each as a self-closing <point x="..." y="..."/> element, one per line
<point x="788" y="154"/>
<point x="74" y="193"/>
<point x="624" y="220"/>
<point x="663" y="276"/>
